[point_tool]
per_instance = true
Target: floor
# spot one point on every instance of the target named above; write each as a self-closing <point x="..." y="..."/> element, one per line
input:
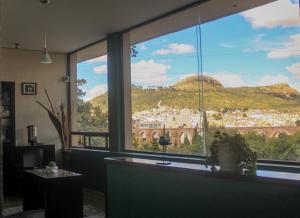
<point x="94" y="207"/>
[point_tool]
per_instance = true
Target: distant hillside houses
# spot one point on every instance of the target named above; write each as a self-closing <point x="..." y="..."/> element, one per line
<point x="149" y="87"/>
<point x="170" y="119"/>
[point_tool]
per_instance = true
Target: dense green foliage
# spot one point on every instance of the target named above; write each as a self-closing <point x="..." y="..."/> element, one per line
<point x="283" y="147"/>
<point x="278" y="97"/>
<point x="90" y="118"/>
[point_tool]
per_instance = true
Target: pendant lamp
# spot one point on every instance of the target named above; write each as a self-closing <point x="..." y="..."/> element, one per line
<point x="45" y="59"/>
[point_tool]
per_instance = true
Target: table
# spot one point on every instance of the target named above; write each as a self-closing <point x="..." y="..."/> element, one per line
<point x="60" y="194"/>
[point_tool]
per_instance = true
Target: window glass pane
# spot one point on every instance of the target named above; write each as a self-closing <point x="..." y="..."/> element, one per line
<point x="250" y="85"/>
<point x="92" y="95"/>
<point x="165" y="93"/>
<point x="91" y="105"/>
<point x="255" y="60"/>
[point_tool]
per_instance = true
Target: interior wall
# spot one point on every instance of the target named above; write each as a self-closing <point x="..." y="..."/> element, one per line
<point x="24" y="66"/>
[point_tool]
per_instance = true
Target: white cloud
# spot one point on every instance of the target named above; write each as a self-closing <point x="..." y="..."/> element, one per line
<point x="101" y="69"/>
<point x="228" y="79"/>
<point x="294" y="69"/>
<point x="165" y="60"/>
<point x="149" y="73"/>
<point x="259" y="44"/>
<point x="269" y="79"/>
<point x="296" y="86"/>
<point x="290" y="48"/>
<point x="176" y="48"/>
<point x="95" y="91"/>
<point x="283" y="13"/>
<point x="98" y="59"/>
<point x="143" y="47"/>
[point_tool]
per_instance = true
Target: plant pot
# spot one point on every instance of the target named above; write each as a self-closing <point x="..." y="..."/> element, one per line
<point x="229" y="159"/>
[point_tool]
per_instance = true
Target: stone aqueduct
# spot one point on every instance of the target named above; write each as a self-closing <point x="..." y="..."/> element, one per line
<point x="177" y="134"/>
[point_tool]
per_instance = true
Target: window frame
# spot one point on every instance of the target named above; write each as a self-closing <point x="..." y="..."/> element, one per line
<point x="126" y="147"/>
<point x="88" y="134"/>
<point x="126" y="117"/>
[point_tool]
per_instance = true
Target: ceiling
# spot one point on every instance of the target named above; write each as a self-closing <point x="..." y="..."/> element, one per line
<point x="72" y="24"/>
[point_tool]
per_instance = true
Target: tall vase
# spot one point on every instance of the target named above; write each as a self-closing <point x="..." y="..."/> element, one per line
<point x="228" y="159"/>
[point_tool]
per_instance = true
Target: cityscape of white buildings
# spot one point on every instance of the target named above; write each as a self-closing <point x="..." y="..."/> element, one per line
<point x="173" y="118"/>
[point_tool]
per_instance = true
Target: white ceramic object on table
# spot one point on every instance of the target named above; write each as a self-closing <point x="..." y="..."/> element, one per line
<point x="51" y="170"/>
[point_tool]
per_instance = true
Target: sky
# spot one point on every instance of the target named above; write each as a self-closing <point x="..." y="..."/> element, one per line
<point x="257" y="47"/>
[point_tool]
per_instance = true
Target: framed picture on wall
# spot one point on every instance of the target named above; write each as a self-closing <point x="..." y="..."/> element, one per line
<point x="29" y="88"/>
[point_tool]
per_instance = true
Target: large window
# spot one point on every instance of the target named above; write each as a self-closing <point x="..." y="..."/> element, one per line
<point x="90" y="109"/>
<point x="250" y="84"/>
<point x="165" y="93"/>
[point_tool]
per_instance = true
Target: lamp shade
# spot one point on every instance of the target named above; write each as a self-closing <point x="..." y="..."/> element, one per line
<point x="46" y="57"/>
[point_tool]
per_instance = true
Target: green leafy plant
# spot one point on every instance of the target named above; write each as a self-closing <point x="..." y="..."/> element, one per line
<point x="236" y="143"/>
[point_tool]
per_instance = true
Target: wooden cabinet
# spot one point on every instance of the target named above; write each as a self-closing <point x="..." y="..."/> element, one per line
<point x="19" y="158"/>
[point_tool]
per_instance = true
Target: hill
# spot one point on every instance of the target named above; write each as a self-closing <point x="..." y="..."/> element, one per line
<point x="192" y="83"/>
<point x="185" y="94"/>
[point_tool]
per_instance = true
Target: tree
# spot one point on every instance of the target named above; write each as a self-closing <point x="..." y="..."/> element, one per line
<point x="218" y="116"/>
<point x="133" y="51"/>
<point x="155" y="144"/>
<point x="167" y="136"/>
<point x="224" y="110"/>
<point x="80" y="92"/>
<point x="89" y="118"/>
<point x="204" y="121"/>
<point x="196" y="139"/>
<point x="135" y="141"/>
<point x="206" y="133"/>
<point x="244" y="109"/>
<point x="175" y="143"/>
<point x="282" y="148"/>
<point x="297" y="122"/>
<point x="186" y="140"/>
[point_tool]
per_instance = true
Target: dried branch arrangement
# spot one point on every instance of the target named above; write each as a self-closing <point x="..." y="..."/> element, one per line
<point x="59" y="119"/>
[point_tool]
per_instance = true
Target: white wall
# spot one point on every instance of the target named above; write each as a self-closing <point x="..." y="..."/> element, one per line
<point x="24" y="66"/>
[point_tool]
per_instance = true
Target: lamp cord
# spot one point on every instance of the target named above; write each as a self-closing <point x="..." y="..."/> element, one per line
<point x="46" y="23"/>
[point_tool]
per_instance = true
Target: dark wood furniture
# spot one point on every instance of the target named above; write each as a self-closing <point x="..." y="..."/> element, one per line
<point x="7" y="109"/>
<point x="142" y="188"/>
<point x="17" y="159"/>
<point x="60" y="194"/>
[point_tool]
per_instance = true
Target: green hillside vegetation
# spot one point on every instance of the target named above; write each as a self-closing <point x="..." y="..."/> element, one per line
<point x="184" y="93"/>
<point x="101" y="101"/>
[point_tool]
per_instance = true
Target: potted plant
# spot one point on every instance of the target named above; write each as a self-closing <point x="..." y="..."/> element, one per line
<point x="232" y="154"/>
<point x="58" y="118"/>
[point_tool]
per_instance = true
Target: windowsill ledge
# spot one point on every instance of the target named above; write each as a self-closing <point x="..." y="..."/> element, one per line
<point x="261" y="165"/>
